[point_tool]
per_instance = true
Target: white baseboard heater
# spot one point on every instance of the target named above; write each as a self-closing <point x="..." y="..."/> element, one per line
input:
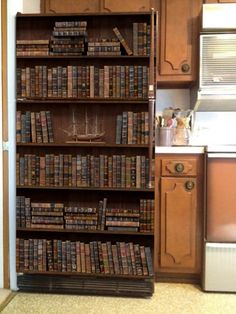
<point x="220" y="267"/>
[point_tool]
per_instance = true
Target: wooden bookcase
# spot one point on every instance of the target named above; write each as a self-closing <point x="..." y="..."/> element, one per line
<point x="63" y="99"/>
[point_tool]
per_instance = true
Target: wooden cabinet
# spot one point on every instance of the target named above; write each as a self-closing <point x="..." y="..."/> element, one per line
<point x="85" y="192"/>
<point x="179" y="27"/>
<point x="79" y="6"/>
<point x="178" y="199"/>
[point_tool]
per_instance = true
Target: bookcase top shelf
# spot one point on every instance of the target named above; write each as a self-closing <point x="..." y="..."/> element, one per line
<point x="97" y="14"/>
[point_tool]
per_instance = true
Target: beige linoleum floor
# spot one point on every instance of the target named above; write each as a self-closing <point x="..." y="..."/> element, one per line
<point x="167" y="299"/>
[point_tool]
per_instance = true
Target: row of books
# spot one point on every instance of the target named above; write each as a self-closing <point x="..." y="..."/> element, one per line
<point x="57" y="47"/>
<point x="116" y="171"/>
<point x="59" y="216"/>
<point x="132" y="128"/>
<point x="141" y="39"/>
<point x="34" y="127"/>
<point x="118" y="81"/>
<point x="95" y="257"/>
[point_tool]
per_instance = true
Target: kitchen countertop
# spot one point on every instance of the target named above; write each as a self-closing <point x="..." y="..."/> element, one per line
<point x="179" y="149"/>
<point x="221" y="148"/>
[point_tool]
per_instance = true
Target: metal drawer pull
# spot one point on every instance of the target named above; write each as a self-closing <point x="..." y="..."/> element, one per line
<point x="185" y="67"/>
<point x="179" y="167"/>
<point x="189" y="185"/>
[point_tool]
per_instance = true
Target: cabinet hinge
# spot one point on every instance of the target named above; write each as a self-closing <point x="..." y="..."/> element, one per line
<point x="5" y="146"/>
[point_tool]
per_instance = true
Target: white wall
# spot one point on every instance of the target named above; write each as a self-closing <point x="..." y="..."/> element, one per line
<point x="23" y="6"/>
<point x="1" y="191"/>
<point x="13" y="8"/>
<point x="31" y="6"/>
<point x="175" y="98"/>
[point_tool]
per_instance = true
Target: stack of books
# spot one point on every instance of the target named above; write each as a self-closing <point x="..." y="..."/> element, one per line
<point x="68" y="38"/>
<point x="118" y="219"/>
<point x="47" y="215"/>
<point x="81" y="218"/>
<point x="32" y="47"/>
<point x="103" y="47"/>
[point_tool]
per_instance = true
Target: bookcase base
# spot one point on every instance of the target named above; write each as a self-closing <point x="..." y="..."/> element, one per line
<point x="87" y="285"/>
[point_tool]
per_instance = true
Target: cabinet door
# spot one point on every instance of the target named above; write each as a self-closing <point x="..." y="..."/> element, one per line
<point x="128" y="6"/>
<point x="69" y="6"/>
<point x="178" y="225"/>
<point x="178" y="40"/>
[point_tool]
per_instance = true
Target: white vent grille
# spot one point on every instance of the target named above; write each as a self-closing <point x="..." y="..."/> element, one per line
<point x="220" y="267"/>
<point x="218" y="61"/>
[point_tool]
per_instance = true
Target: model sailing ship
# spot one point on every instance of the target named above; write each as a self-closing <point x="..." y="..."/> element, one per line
<point x="76" y="136"/>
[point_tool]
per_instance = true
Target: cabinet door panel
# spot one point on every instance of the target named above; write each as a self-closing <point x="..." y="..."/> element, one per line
<point x="175" y="27"/>
<point x="178" y="225"/>
<point x="69" y="6"/>
<point x="128" y="6"/>
<point x="178" y="40"/>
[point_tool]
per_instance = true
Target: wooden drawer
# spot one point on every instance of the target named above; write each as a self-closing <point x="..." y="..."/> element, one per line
<point x="178" y="167"/>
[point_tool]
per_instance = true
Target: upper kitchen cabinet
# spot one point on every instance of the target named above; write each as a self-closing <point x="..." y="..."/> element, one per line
<point x="179" y="29"/>
<point x="81" y="6"/>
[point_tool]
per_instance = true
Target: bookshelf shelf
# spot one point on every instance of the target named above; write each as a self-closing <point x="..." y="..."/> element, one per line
<point x="86" y="231"/>
<point x="82" y="57"/>
<point x="84" y="152"/>
<point x="83" y="145"/>
<point x="86" y="274"/>
<point x="62" y="101"/>
<point x="85" y="188"/>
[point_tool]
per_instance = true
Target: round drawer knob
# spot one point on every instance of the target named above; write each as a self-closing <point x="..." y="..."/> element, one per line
<point x="189" y="185"/>
<point x="185" y="68"/>
<point x="179" y="167"/>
